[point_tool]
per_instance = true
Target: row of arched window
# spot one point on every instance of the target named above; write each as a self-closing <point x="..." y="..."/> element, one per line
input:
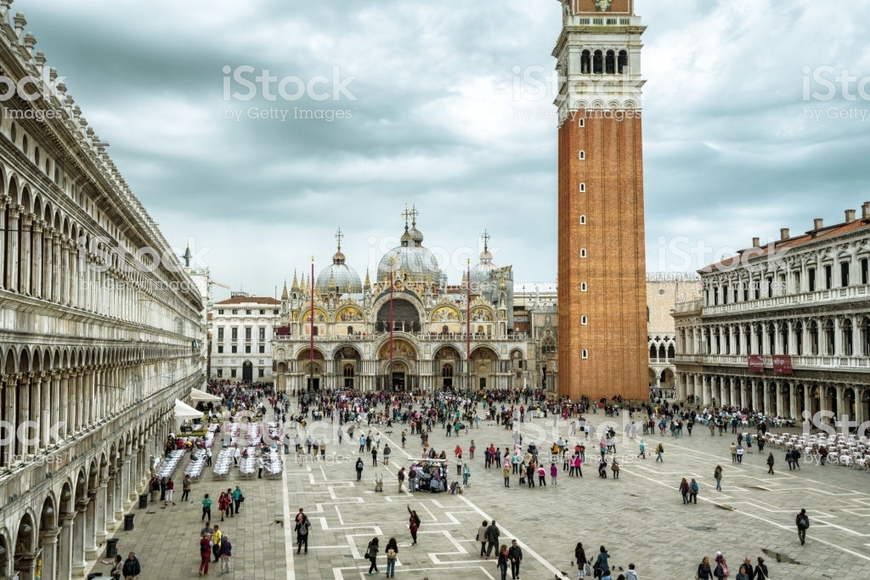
<point x="604" y="62"/>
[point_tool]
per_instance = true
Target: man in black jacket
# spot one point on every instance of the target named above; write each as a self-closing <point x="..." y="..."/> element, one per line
<point x="515" y="555"/>
<point x="492" y="534"/>
<point x="131" y="566"/>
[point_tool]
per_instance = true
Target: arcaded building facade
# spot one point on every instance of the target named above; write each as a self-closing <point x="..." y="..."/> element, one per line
<point x="784" y="327"/>
<point x="95" y="345"/>
<point x="601" y="263"/>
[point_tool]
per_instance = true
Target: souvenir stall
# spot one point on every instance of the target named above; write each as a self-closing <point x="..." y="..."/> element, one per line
<point x="432" y="475"/>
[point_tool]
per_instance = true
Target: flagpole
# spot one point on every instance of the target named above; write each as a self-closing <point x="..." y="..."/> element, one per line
<point x="468" y="328"/>
<point x="390" y="368"/>
<point x="311" y="331"/>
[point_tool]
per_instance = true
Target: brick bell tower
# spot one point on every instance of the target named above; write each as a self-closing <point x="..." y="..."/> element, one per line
<point x="602" y="348"/>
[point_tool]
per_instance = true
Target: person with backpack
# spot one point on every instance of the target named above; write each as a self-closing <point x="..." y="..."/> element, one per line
<point x="684" y="490"/>
<point x="717" y="475"/>
<point x="413" y="524"/>
<point x="392" y="552"/>
<point x="802" y="521"/>
<point x="693" y="491"/>
<point x="302" y="526"/>
<point x="659" y="450"/>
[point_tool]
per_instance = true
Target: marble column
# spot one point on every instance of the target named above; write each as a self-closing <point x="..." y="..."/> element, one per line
<point x="101" y="512"/>
<point x="26" y="255"/>
<point x="58" y="274"/>
<point x="4" y="201"/>
<point x="35" y="413"/>
<point x="78" y="539"/>
<point x="12" y="261"/>
<point x="91" y="525"/>
<point x="47" y="261"/>
<point x="49" y="553"/>
<point x="21" y="443"/>
<point x="65" y="546"/>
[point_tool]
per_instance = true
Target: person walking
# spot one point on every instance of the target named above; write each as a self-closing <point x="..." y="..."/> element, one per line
<point x="492" y="534"/>
<point x="481" y="537"/>
<point x="761" y="572"/>
<point x="740" y="452"/>
<point x="717" y="475"/>
<point x="506" y="472"/>
<point x="502" y="563"/>
<point x="770" y="463"/>
<point x="704" y="571"/>
<point x="170" y="489"/>
<point x="515" y="555"/>
<point x="238" y="498"/>
<point x="392" y="551"/>
<point x="302" y="526"/>
<point x="401" y="477"/>
<point x="466" y="473"/>
<point x="216" y="543"/>
<point x="659" y="450"/>
<point x="131" y="568"/>
<point x="642" y="448"/>
<point x="359" y="468"/>
<point x="614" y="467"/>
<point x="185" y="488"/>
<point x="226" y="553"/>
<point x="684" y="490"/>
<point x="554" y="471"/>
<point x="387" y="453"/>
<point x="733" y="449"/>
<point x="802" y="521"/>
<point x="372" y="556"/>
<point x="375" y="456"/>
<point x="204" y="554"/>
<point x="206" y="509"/>
<point x="693" y="491"/>
<point x="413" y="524"/>
<point x="223" y="504"/>
<point x="580" y="558"/>
<point x="260" y="465"/>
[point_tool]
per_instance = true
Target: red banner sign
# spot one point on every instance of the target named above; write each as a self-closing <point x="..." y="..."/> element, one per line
<point x="756" y="363"/>
<point x="782" y="364"/>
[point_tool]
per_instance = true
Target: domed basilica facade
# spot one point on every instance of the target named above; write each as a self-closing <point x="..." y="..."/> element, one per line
<point x="409" y="329"/>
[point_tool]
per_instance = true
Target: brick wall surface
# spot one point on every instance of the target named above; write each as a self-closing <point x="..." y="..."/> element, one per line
<point x="614" y="269"/>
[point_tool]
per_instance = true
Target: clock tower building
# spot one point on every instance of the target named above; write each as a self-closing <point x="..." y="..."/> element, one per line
<point x="602" y="341"/>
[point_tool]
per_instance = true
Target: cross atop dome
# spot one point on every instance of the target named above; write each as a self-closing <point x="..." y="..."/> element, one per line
<point x="486" y="238"/>
<point x="339" y="236"/>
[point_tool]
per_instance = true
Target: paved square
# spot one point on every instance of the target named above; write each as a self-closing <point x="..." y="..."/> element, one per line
<point x="640" y="517"/>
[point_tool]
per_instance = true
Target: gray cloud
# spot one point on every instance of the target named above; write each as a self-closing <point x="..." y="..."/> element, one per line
<point x="731" y="148"/>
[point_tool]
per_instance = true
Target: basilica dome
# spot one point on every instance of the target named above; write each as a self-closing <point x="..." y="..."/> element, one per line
<point x="416" y="262"/>
<point x="338" y="278"/>
<point x="482" y="271"/>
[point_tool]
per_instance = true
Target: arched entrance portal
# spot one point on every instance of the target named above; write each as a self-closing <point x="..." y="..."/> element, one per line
<point x="312" y="371"/>
<point x="247" y="371"/>
<point x="447" y="361"/>
<point x="399" y="370"/>
<point x="483" y="366"/>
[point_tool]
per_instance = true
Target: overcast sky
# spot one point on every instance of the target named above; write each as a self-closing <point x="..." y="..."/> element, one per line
<point x="433" y="117"/>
